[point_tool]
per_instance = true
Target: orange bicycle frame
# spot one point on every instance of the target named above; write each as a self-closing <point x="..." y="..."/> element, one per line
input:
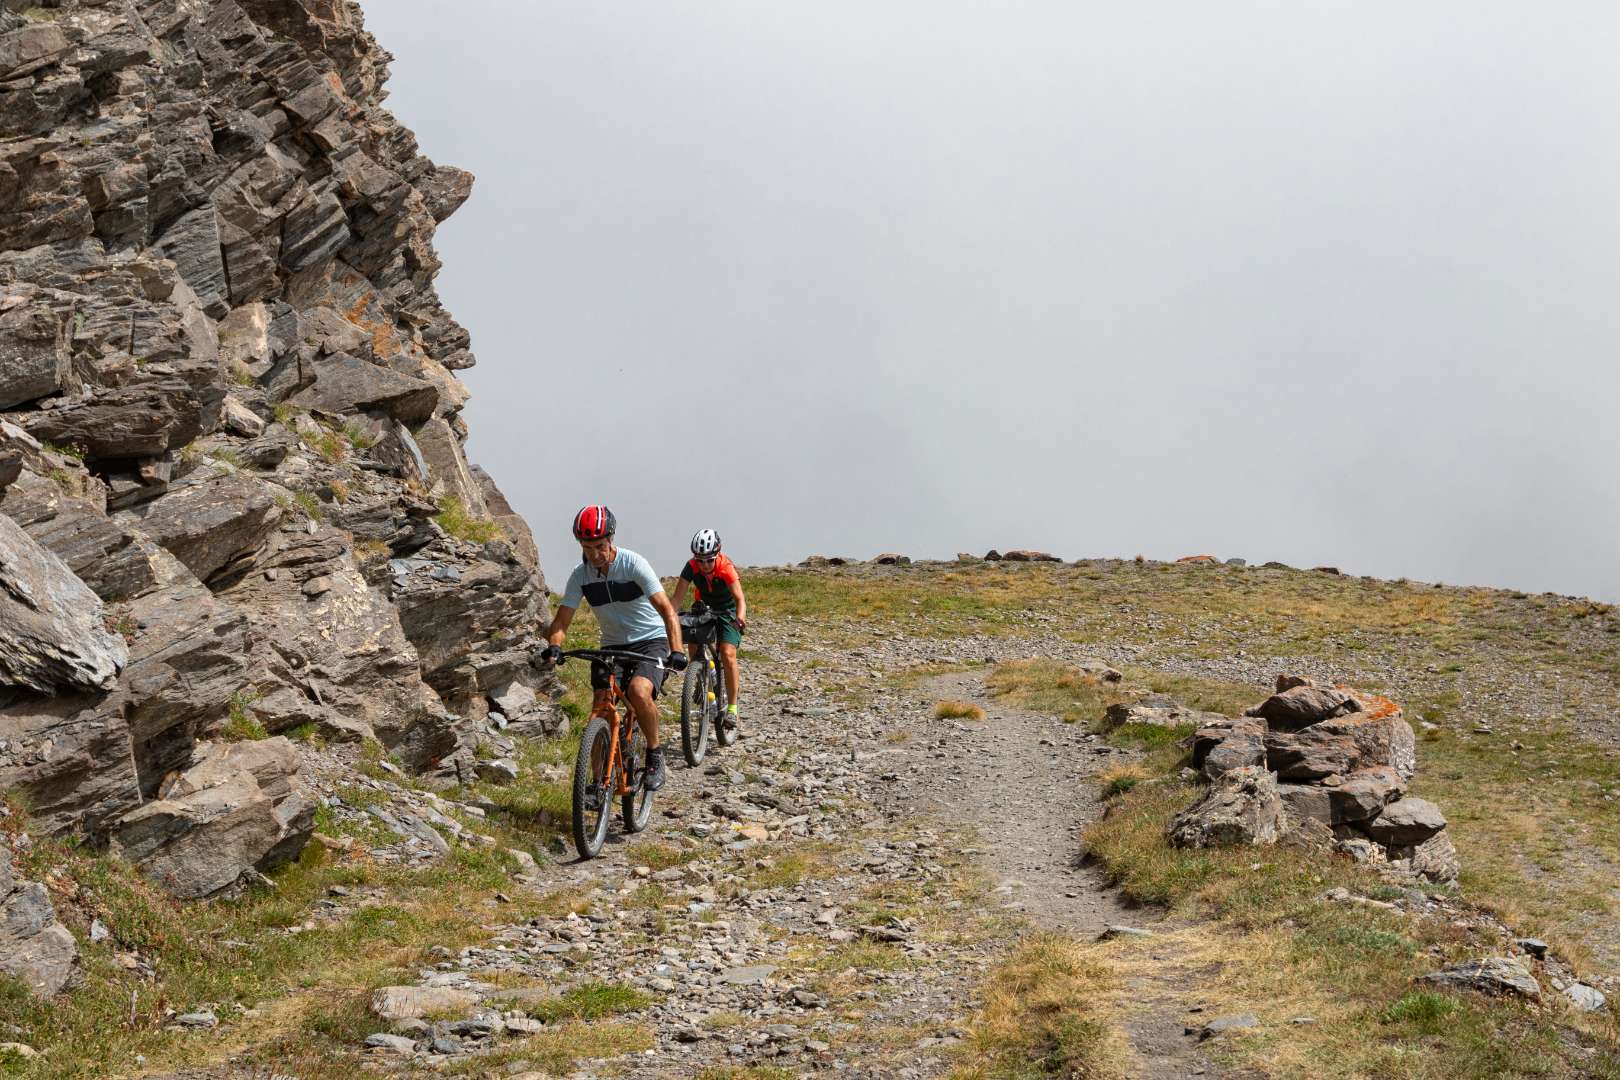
<point x="607" y="707"/>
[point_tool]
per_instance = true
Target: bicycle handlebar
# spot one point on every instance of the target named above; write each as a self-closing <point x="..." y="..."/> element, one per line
<point x="611" y="655"/>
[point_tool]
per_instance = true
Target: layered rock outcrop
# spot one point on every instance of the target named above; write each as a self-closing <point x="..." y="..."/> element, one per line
<point x="1339" y="761"/>
<point x="230" y="427"/>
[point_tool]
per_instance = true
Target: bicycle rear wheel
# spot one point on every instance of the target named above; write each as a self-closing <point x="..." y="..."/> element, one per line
<point x="593" y="788"/>
<point x="695" y="709"/>
<point x="636" y="806"/>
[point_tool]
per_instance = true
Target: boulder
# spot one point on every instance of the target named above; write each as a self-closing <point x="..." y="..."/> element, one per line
<point x="1097" y="669"/>
<point x="448" y="472"/>
<point x="1585" y="998"/>
<point x="114" y="559"/>
<point x="1342" y="745"/>
<point x="140" y="420"/>
<point x="890" y="558"/>
<point x="34" y="947"/>
<point x="30" y="46"/>
<point x="1406" y="822"/>
<point x="211" y="522"/>
<point x="1435" y="859"/>
<point x="1306" y="802"/>
<point x="240" y="808"/>
<point x="1241" y="808"/>
<point x="1224" y="744"/>
<point x="1303" y="705"/>
<point x="337" y="655"/>
<point x="34" y="357"/>
<point x="1363" y="794"/>
<point x="1158" y="710"/>
<point x="344" y="384"/>
<point x="53" y="632"/>
<point x="241" y="420"/>
<point x="459" y="614"/>
<point x="1495" y="975"/>
<point x="70" y="757"/>
<point x="1025" y="555"/>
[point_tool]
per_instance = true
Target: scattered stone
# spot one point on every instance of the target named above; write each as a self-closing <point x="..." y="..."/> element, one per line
<point x="752" y="975"/>
<point x="1499" y="975"/>
<point x="398" y="1044"/>
<point x="1585" y="998"/>
<point x="1221" y="1025"/>
<point x="416" y="1002"/>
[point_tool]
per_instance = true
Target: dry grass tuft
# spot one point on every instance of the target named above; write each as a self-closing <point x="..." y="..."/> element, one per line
<point x="958" y="710"/>
<point x="1046" y="1014"/>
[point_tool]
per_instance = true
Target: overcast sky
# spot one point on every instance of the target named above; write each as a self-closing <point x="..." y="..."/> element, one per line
<point x="1320" y="282"/>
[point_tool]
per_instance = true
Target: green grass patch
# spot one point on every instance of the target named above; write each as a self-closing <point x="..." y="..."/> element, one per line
<point x="454" y="518"/>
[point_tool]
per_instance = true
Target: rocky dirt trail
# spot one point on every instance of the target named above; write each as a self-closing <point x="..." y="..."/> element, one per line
<point x="830" y="893"/>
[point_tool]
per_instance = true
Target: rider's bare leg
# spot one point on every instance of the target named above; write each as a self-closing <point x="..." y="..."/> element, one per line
<point x="641" y="703"/>
<point x="728" y="657"/>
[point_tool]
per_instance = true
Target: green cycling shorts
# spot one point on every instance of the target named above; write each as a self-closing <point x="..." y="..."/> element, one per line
<point x="729" y="634"/>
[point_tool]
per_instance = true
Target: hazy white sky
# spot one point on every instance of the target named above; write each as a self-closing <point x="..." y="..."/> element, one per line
<point x="1311" y="281"/>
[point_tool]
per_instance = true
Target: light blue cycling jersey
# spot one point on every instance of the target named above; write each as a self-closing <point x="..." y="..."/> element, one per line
<point x="620" y="598"/>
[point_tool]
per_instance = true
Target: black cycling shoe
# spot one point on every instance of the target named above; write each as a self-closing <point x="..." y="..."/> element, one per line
<point x="656" y="773"/>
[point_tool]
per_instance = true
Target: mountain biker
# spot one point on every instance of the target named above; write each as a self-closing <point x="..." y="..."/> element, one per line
<point x="635" y="616"/>
<point x="719" y="586"/>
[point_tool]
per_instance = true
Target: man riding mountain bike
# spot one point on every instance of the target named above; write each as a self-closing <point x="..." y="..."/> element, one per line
<point x="718" y="585"/>
<point x="635" y="616"/>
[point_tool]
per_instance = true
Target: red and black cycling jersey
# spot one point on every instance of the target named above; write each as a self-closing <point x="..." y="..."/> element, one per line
<point x="714" y="584"/>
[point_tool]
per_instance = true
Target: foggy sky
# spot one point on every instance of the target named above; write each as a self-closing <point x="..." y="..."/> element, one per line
<point x="1319" y="282"/>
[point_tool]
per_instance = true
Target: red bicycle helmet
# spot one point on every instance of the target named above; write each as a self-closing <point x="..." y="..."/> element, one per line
<point x="594" y="523"/>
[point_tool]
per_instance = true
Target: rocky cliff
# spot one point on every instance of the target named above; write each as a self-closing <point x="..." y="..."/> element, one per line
<point x="233" y="492"/>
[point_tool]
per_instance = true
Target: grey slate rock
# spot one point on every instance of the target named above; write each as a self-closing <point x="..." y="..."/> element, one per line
<point x="52" y="626"/>
<point x="1499" y="975"/>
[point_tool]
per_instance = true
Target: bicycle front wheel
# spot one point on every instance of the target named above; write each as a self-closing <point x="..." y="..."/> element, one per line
<point x="593" y="788"/>
<point x="695" y="710"/>
<point x="637" y="805"/>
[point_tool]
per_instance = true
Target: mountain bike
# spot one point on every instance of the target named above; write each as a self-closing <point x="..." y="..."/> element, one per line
<point x="612" y="759"/>
<point x="702" y="711"/>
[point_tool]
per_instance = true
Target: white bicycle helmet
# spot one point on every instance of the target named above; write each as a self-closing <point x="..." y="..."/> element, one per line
<point x="705" y="542"/>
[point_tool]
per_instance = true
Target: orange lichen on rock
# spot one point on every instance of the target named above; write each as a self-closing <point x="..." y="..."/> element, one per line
<point x="1373" y="706"/>
<point x="1196" y="559"/>
<point x="384" y="337"/>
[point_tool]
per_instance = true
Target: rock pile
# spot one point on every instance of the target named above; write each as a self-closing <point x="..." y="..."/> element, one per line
<point x="231" y="465"/>
<point x="1338" y="761"/>
<point x="34" y="947"/>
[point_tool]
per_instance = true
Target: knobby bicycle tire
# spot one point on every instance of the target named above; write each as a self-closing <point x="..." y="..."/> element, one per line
<point x="695" y="710"/>
<point x="636" y="806"/>
<point x="591" y="826"/>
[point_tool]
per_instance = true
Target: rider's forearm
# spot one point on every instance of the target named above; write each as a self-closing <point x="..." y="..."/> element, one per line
<point x="672" y="623"/>
<point x="559" y="625"/>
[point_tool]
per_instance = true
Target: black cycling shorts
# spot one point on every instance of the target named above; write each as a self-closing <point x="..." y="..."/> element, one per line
<point x="657" y="648"/>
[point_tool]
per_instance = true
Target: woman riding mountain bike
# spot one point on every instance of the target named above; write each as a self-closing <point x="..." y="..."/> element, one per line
<point x="719" y="587"/>
<point x="701" y="711"/>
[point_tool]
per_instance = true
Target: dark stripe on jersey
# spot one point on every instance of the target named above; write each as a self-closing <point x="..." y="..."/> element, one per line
<point x="612" y="592"/>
